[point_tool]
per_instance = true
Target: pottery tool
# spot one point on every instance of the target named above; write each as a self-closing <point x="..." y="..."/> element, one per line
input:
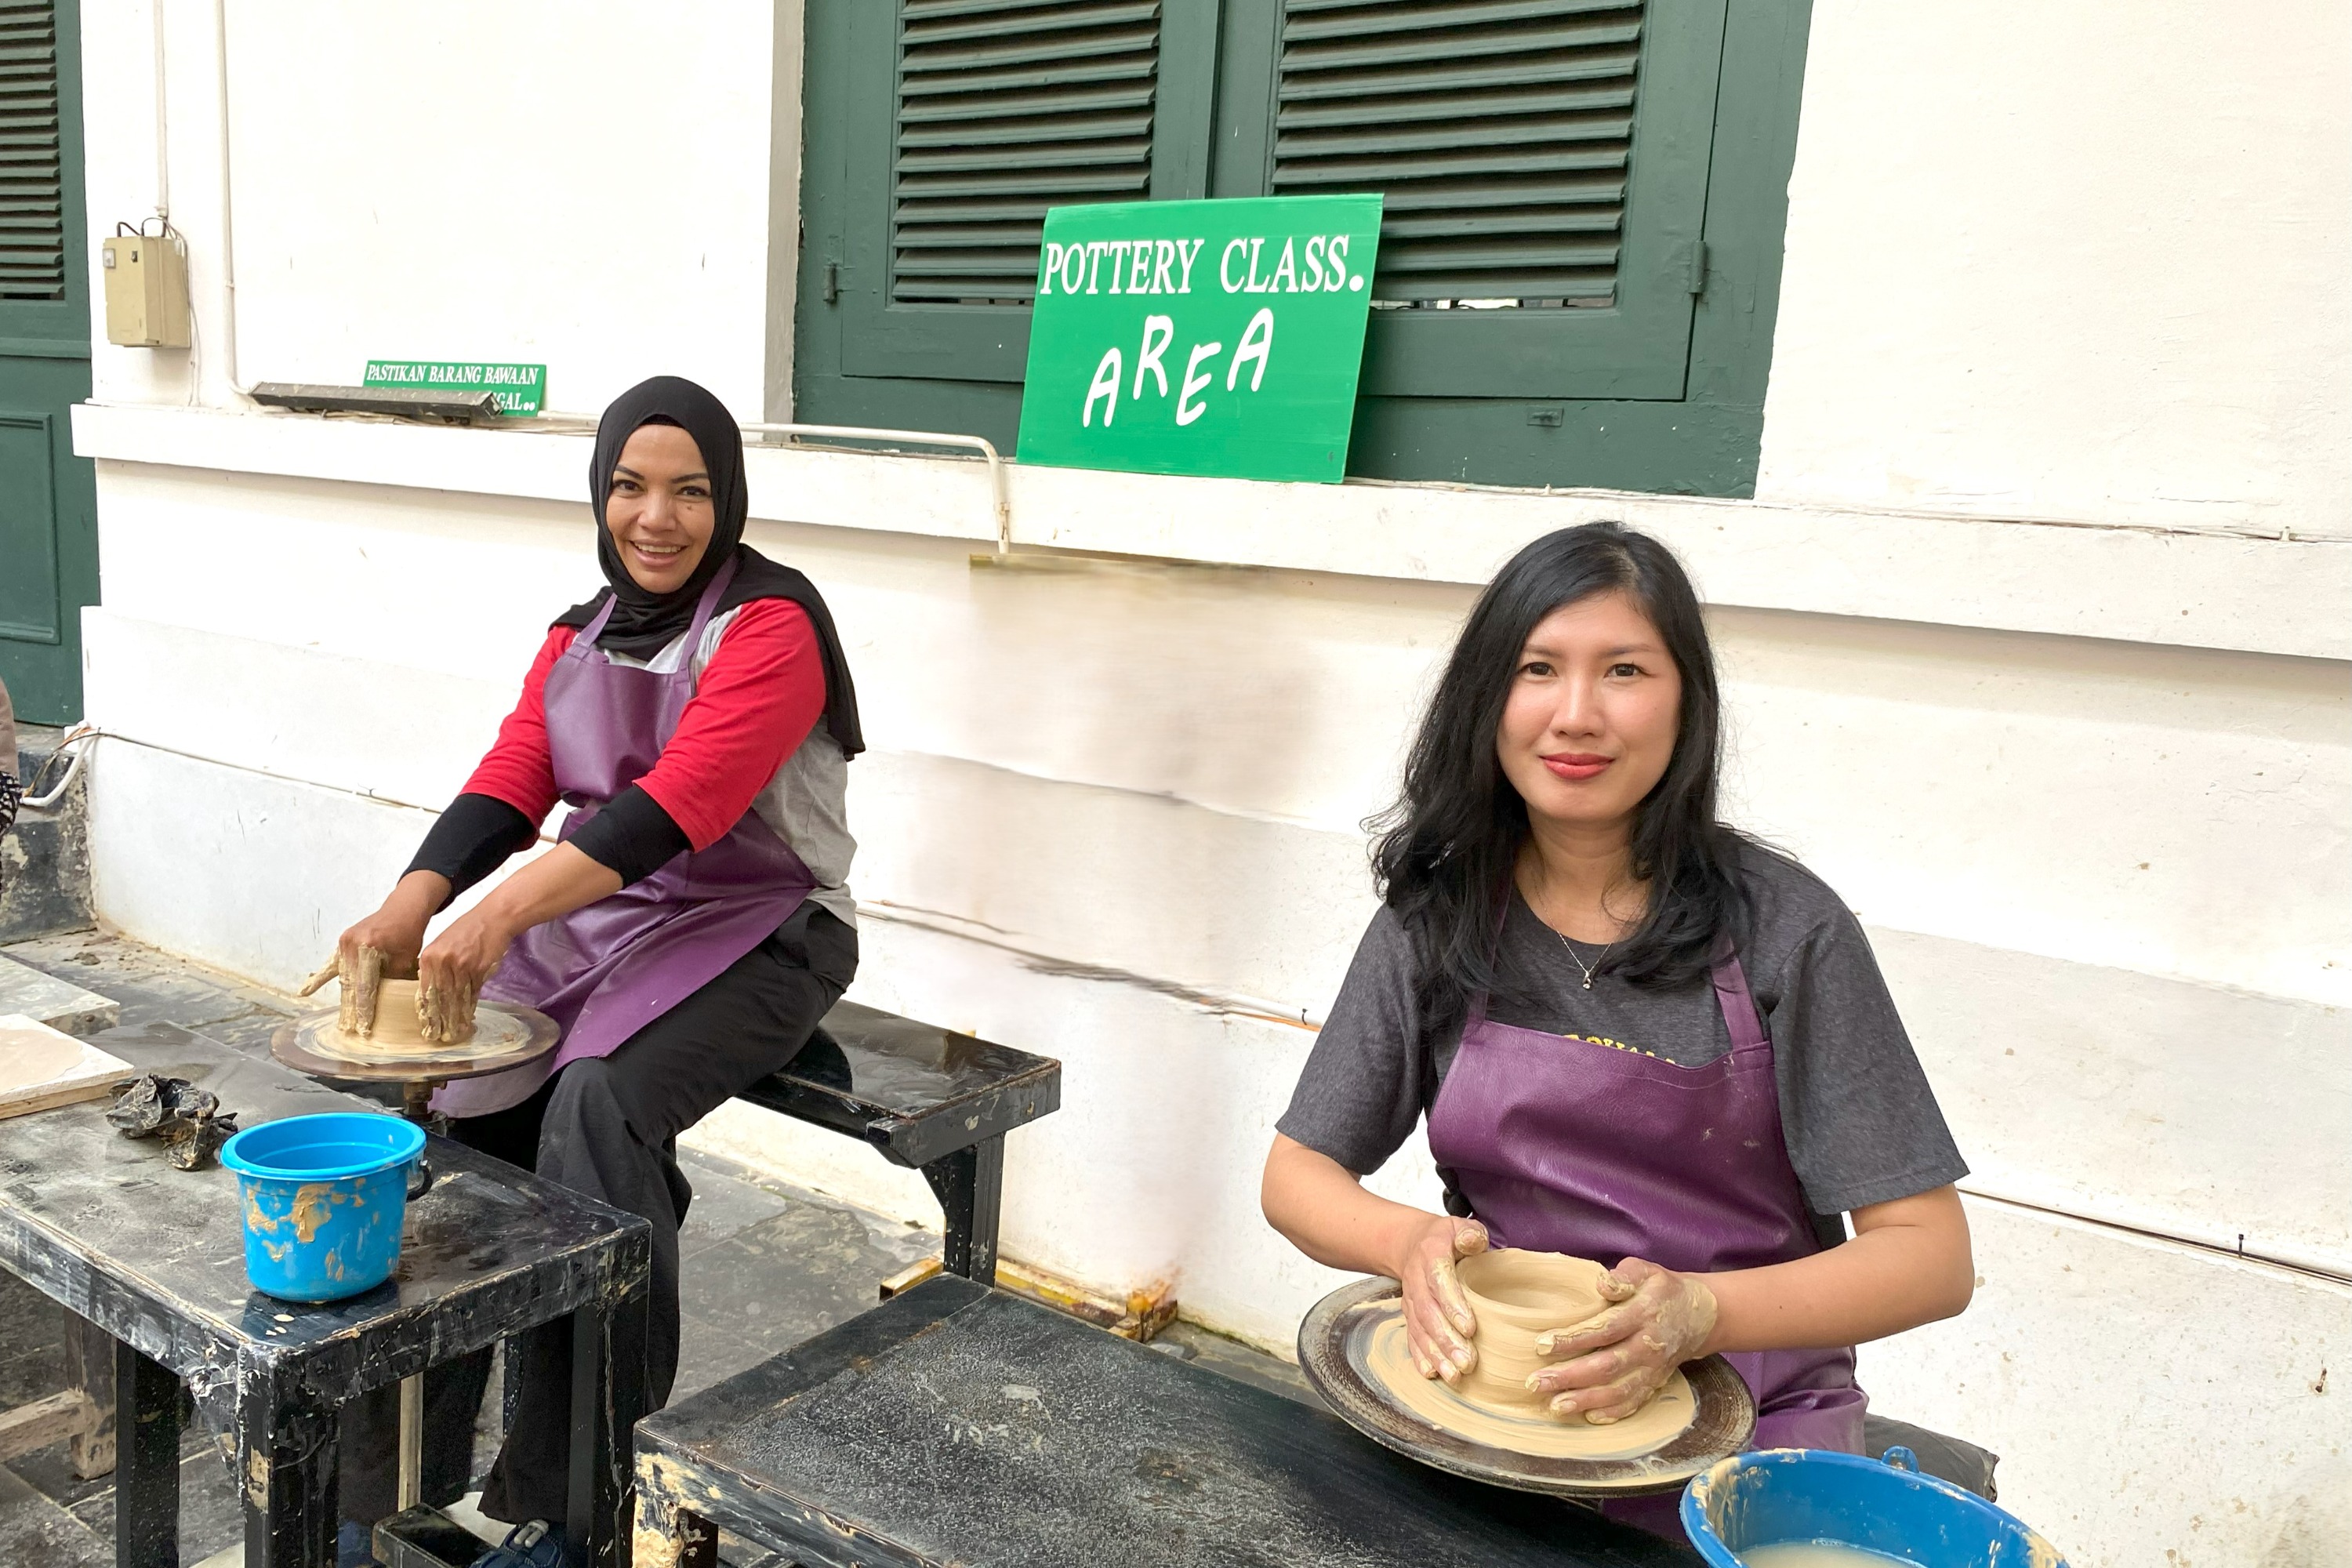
<point x="41" y="1068"/>
<point x="1350" y="1346"/>
<point x="506" y="1035"/>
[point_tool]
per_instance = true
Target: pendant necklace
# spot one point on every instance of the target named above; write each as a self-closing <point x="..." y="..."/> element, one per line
<point x="1598" y="959"/>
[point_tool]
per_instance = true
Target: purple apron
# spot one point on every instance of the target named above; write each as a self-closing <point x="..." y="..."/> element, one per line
<point x="1562" y="1145"/>
<point x="609" y="968"/>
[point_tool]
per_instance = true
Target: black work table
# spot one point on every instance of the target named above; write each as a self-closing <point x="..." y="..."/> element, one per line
<point x="959" y="1425"/>
<point x="155" y="1257"/>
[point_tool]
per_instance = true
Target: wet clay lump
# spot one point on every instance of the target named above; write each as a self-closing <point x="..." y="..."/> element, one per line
<point x="1516" y="1295"/>
<point x="397" y="1026"/>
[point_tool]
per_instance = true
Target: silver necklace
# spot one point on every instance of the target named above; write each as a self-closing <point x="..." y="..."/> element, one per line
<point x="1598" y="960"/>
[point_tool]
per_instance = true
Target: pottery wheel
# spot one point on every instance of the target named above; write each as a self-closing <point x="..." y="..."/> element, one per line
<point x="506" y="1035"/>
<point x="1335" y="1345"/>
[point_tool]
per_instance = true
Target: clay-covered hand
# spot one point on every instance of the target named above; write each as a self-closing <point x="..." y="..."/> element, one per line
<point x="382" y="946"/>
<point x="1621" y="1356"/>
<point x="1437" y="1321"/>
<point x="450" y="974"/>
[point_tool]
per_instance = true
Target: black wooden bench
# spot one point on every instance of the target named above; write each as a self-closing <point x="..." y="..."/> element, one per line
<point x="925" y="1096"/>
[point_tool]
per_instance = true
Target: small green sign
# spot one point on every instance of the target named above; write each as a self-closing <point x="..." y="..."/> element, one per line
<point x="1215" y="337"/>
<point x="522" y="388"/>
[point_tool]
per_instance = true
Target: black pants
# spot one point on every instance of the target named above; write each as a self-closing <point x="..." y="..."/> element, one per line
<point x="608" y="1128"/>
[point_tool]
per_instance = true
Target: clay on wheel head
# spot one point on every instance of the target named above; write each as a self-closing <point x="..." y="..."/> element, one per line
<point x="1516" y="1295"/>
<point x="397" y="1027"/>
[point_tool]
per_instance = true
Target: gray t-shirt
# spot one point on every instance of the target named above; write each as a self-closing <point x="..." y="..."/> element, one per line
<point x="1860" y="1123"/>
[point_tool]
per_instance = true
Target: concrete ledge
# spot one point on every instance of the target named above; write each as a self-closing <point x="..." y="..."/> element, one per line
<point x="2121" y="582"/>
<point x="62" y="1004"/>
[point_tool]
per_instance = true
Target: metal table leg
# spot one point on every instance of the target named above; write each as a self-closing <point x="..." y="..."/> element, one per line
<point x="606" y="1399"/>
<point x="416" y="1105"/>
<point x="970" y="1186"/>
<point x="287" y="1465"/>
<point x="147" y="1462"/>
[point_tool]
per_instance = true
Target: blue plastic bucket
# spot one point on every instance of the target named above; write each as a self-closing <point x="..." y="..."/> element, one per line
<point x="324" y="1197"/>
<point x="1813" y="1494"/>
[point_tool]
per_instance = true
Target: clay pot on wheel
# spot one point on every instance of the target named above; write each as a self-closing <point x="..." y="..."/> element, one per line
<point x="1516" y="1295"/>
<point x="397" y="1026"/>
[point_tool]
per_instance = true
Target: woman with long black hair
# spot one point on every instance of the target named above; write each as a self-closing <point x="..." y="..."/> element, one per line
<point x="1639" y="1036"/>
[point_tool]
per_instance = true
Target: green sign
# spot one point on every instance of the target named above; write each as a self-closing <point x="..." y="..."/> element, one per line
<point x="522" y="388"/>
<point x="1217" y="337"/>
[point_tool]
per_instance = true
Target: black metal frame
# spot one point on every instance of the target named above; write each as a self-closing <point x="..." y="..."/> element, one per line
<point x="949" y="1101"/>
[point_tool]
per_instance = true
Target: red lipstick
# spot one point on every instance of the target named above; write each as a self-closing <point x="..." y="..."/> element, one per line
<point x="1577" y="765"/>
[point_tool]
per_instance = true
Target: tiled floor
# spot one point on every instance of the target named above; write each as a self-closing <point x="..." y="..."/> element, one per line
<point x="765" y="1266"/>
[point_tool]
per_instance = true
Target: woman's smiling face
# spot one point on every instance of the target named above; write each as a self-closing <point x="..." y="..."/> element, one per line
<point x="1590" y="723"/>
<point x="658" y="507"/>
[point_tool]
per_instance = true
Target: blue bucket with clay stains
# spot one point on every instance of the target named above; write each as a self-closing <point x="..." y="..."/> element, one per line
<point x="1794" y="1498"/>
<point x="324" y="1198"/>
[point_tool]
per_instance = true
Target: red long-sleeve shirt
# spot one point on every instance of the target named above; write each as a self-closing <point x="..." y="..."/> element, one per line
<point x="759" y="697"/>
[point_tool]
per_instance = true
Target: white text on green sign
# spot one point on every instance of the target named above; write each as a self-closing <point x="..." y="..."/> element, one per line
<point x="1212" y="337"/>
<point x="520" y="388"/>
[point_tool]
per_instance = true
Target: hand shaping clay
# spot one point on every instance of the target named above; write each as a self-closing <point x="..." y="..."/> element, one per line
<point x="1515" y="1296"/>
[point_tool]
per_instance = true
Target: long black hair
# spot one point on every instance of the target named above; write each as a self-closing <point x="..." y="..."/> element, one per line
<point x="1444" y="852"/>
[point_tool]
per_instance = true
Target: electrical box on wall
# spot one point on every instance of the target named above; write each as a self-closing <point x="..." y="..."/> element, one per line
<point x="146" y="291"/>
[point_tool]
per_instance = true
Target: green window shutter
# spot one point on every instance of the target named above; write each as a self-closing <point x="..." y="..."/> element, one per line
<point x="1544" y="164"/>
<point x="32" y="186"/>
<point x="971" y="117"/>
<point x="1550" y="168"/>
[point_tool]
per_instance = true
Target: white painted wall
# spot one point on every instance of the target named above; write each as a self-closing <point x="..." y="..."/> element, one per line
<point x="2002" y="659"/>
<point x="2074" y="262"/>
<point x="585" y="184"/>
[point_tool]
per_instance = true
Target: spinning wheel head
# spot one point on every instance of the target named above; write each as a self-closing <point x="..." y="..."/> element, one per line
<point x="1350" y="1346"/>
<point x="506" y="1035"/>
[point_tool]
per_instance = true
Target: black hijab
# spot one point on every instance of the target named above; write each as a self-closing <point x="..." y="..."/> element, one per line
<point x="643" y="622"/>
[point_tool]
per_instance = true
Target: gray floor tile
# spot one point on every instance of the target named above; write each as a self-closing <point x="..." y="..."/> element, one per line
<point x="707" y="1355"/>
<point x="34" y="1375"/>
<point x="37" y="1533"/>
<point x="724" y="1204"/>
<point x="211" y="1514"/>
<point x="789" y="1277"/>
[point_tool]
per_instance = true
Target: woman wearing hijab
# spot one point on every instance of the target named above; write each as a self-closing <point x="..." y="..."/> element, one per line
<point x="1639" y="1036"/>
<point x="693" y="923"/>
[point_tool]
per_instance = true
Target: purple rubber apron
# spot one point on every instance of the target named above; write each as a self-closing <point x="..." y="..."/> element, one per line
<point x="1562" y="1145"/>
<point x="608" y="969"/>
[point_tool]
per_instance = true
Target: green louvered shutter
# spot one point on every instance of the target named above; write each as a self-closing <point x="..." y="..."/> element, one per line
<point x="32" y="185"/>
<point x="1005" y="109"/>
<point x="971" y="118"/>
<point x="1544" y="164"/>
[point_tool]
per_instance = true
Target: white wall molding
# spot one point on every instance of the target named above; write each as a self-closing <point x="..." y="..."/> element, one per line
<point x="2119" y="582"/>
